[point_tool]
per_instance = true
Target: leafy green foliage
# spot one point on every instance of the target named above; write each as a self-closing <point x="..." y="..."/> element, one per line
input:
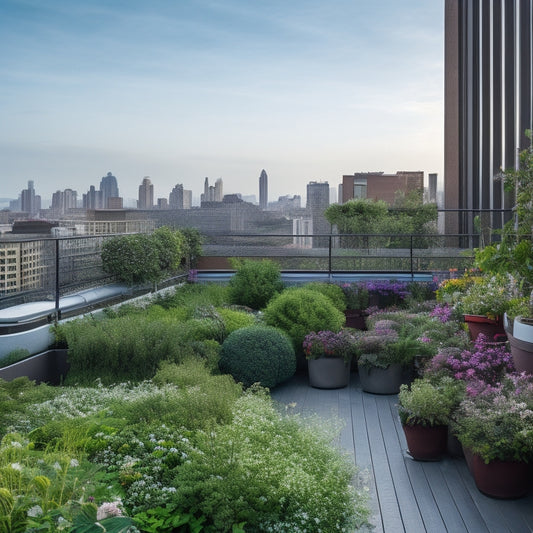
<point x="170" y="247"/>
<point x="258" y="354"/>
<point x="234" y="319"/>
<point x="254" y="283"/>
<point x="129" y="347"/>
<point x="132" y="258"/>
<point x="270" y="472"/>
<point x="332" y="291"/>
<point x="297" y="311"/>
<point x="429" y="403"/>
<point x="408" y="215"/>
<point x="18" y="354"/>
<point x="192" y="247"/>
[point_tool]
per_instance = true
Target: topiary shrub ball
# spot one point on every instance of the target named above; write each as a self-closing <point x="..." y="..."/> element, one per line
<point x="297" y="311"/>
<point x="258" y="354"/>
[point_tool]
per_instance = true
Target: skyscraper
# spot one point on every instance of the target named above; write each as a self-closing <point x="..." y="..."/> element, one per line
<point x="108" y="188"/>
<point x="263" y="190"/>
<point x="317" y="203"/>
<point x="175" y="198"/>
<point x="146" y="194"/>
<point x="29" y="201"/>
<point x="488" y="103"/>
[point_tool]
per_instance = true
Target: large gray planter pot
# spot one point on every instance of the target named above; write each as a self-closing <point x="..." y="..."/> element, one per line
<point x="381" y="380"/>
<point x="328" y="373"/>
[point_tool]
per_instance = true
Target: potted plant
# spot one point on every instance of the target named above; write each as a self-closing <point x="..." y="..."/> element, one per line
<point x="484" y="304"/>
<point x="383" y="355"/>
<point x="425" y="408"/>
<point x="387" y="293"/>
<point x="495" y="427"/>
<point x="329" y="355"/>
<point x="357" y="300"/>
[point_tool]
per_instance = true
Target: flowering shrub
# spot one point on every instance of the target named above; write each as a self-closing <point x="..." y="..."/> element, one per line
<point x="489" y="296"/>
<point x="388" y="292"/>
<point x="487" y="362"/>
<point x="356" y="295"/>
<point x="330" y="344"/>
<point x="497" y="423"/>
<point x="442" y="312"/>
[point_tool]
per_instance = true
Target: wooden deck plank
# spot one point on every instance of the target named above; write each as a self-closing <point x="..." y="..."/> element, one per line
<point x="409" y="508"/>
<point x="388" y="501"/>
<point x="469" y="512"/>
<point x="407" y="496"/>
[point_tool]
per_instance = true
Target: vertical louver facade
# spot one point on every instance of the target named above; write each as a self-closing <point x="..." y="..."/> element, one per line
<point x="488" y="105"/>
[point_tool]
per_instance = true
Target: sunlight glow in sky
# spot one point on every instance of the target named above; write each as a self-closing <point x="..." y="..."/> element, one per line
<point x="183" y="89"/>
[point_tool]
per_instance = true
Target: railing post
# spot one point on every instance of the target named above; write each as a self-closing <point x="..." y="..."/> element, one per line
<point x="411" y="257"/>
<point x="58" y="312"/>
<point x="329" y="257"/>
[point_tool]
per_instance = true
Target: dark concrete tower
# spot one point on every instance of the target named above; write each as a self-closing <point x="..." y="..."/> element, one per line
<point x="488" y="103"/>
<point x="263" y="190"/>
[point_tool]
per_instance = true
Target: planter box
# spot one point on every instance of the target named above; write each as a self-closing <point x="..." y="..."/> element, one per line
<point x="47" y="367"/>
<point x="355" y="318"/>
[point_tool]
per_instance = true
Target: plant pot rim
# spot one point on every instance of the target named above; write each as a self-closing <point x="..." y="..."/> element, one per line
<point x="482" y="319"/>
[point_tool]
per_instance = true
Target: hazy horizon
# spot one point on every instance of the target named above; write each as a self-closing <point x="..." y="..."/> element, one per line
<point x="180" y="91"/>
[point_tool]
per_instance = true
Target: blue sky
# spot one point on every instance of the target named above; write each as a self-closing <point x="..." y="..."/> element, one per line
<point x="183" y="89"/>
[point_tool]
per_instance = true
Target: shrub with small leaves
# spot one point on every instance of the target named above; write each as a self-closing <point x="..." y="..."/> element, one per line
<point x="258" y="354"/>
<point x="298" y="311"/>
<point x="255" y="283"/>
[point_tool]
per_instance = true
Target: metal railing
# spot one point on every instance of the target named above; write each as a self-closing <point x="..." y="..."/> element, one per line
<point x="45" y="269"/>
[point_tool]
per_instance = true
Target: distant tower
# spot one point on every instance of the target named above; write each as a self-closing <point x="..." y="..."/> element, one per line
<point x="93" y="199"/>
<point x="219" y="193"/>
<point x="108" y="188"/>
<point x="146" y="194"/>
<point x="317" y="203"/>
<point x="204" y="197"/>
<point x="30" y="202"/>
<point x="175" y="198"/>
<point x="263" y="190"/>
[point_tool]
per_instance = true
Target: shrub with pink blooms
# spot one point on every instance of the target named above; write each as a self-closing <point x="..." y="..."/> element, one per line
<point x="487" y="362"/>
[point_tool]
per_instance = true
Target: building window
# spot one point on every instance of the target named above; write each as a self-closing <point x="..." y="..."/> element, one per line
<point x="359" y="188"/>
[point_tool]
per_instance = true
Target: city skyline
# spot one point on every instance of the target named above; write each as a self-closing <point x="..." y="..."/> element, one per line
<point x="180" y="91"/>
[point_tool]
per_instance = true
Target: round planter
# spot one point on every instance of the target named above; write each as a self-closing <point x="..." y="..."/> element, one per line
<point x="492" y="329"/>
<point x="522" y="353"/>
<point x="328" y="373"/>
<point x="426" y="443"/>
<point x="501" y="479"/>
<point x="381" y="380"/>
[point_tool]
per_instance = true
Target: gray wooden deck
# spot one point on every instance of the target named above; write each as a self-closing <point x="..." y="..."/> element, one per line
<point x="406" y="495"/>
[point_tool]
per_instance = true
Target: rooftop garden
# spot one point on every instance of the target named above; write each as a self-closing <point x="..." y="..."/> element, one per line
<point x="164" y="422"/>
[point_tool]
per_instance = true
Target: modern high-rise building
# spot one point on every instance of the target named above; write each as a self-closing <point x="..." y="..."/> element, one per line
<point x="263" y="190"/>
<point x="175" y="198"/>
<point x="317" y="203"/>
<point x="146" y="194"/>
<point x="212" y="193"/>
<point x="62" y="201"/>
<point x="108" y="188"/>
<point x="219" y="190"/>
<point x="93" y="199"/>
<point x="488" y="104"/>
<point x="29" y="201"/>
